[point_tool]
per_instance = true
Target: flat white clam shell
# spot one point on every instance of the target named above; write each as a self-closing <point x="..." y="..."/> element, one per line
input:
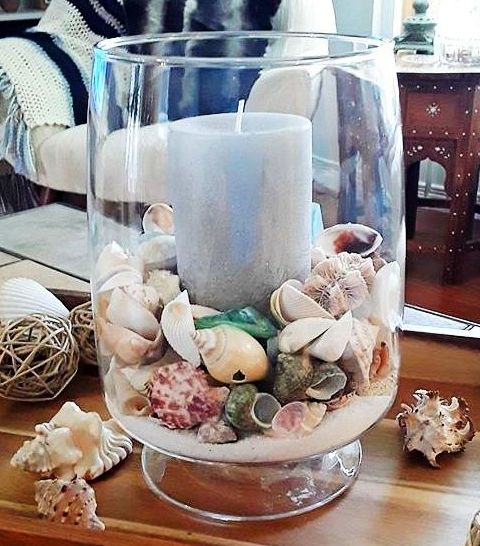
<point x="330" y="346"/>
<point x="300" y="333"/>
<point x="158" y="217"/>
<point x="325" y="241"/>
<point x="386" y="296"/>
<point x="275" y="301"/>
<point x="123" y="310"/>
<point x="20" y="297"/>
<point x="179" y="328"/>
<point x="294" y="305"/>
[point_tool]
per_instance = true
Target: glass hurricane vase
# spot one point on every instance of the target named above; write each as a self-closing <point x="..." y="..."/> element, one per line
<point x="248" y="245"/>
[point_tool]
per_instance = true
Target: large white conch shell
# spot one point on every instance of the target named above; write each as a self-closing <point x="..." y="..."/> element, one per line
<point x="20" y="297"/>
<point x="73" y="444"/>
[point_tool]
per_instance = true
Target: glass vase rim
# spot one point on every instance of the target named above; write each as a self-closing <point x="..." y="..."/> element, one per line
<point x="110" y="49"/>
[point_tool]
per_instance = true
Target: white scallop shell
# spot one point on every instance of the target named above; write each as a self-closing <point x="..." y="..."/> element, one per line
<point x="158" y="218"/>
<point x="179" y="328"/>
<point x="326" y="240"/>
<point x="386" y="296"/>
<point x="123" y="310"/>
<point x="330" y="346"/>
<point x="20" y="297"/>
<point x="300" y="333"/>
<point x="294" y="304"/>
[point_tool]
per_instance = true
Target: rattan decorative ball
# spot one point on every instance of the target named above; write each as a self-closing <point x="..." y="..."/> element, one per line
<point x="38" y="357"/>
<point x="84" y="331"/>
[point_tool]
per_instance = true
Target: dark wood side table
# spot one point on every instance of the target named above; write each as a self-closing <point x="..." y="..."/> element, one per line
<point x="441" y="121"/>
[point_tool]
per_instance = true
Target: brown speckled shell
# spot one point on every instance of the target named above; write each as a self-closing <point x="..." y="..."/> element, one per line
<point x="72" y="503"/>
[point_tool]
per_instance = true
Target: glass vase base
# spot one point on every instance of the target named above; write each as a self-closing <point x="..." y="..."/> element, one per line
<point x="244" y="492"/>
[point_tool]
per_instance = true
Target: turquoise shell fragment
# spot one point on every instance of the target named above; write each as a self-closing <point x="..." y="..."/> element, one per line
<point x="247" y="319"/>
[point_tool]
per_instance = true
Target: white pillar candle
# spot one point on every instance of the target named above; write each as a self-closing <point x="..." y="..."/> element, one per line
<point x="242" y="205"/>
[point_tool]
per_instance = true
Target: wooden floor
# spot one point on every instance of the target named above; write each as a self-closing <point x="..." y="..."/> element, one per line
<point x="423" y="282"/>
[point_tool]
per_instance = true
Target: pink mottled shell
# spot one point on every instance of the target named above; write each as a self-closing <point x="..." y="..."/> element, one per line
<point x="181" y="397"/>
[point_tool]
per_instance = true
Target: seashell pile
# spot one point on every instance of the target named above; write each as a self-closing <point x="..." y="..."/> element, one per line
<point x="73" y="444"/>
<point x="433" y="425"/>
<point x="329" y="338"/>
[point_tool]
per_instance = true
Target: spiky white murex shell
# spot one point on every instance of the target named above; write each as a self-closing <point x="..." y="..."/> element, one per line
<point x="20" y="297"/>
<point x="73" y="444"/>
<point x="433" y="426"/>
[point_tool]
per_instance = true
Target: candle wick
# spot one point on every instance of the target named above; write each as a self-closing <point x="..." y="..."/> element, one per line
<point x="239" y="118"/>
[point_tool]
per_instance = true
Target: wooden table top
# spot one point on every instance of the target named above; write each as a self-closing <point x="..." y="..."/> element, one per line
<point x="397" y="500"/>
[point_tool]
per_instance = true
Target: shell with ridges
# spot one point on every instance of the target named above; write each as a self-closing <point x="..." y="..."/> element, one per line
<point x="300" y="333"/>
<point x="292" y="304"/>
<point x="231" y="355"/>
<point x="70" y="502"/>
<point x="179" y="328"/>
<point x="20" y="297"/>
<point x="355" y="238"/>
<point x="181" y="398"/>
<point x="123" y="310"/>
<point x="433" y="426"/>
<point x="330" y="346"/>
<point x="73" y="443"/>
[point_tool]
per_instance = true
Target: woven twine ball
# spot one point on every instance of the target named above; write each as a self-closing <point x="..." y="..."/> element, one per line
<point x="83" y="330"/>
<point x="38" y="357"/>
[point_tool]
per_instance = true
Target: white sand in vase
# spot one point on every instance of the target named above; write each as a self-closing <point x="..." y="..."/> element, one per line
<point x="338" y="428"/>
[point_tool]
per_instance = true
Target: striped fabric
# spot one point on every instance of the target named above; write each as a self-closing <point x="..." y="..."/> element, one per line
<point x="45" y="72"/>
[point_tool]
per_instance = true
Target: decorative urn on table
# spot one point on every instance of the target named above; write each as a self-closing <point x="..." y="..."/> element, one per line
<point x="246" y="345"/>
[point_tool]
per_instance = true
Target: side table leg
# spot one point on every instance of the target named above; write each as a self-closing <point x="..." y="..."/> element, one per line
<point x="411" y="198"/>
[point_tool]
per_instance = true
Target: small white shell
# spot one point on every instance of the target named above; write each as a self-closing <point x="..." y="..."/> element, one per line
<point x="123" y="310"/>
<point x="158" y="252"/>
<point x="349" y="237"/>
<point x="386" y="296"/>
<point x="331" y="345"/>
<point x="179" y="328"/>
<point x="111" y="257"/>
<point x="146" y="295"/>
<point x="300" y="333"/>
<point x="20" y="297"/>
<point x="158" y="218"/>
